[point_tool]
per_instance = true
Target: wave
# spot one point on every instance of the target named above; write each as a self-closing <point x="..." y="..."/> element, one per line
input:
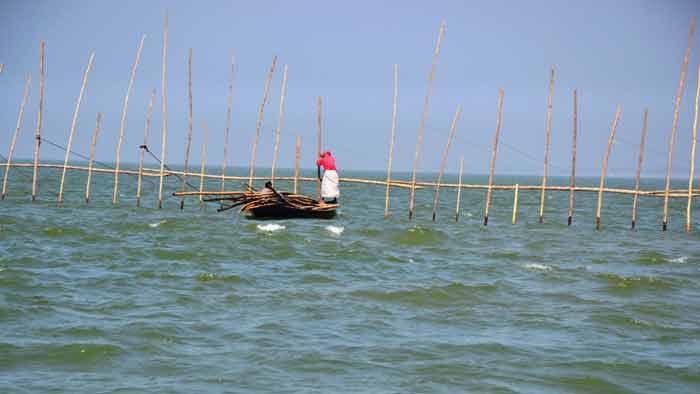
<point x="83" y="355"/>
<point x="419" y="236"/>
<point x="335" y="230"/>
<point x="450" y="294"/>
<point x="270" y="227"/>
<point x="623" y="283"/>
<point x="538" y="267"/>
<point x="209" y="276"/>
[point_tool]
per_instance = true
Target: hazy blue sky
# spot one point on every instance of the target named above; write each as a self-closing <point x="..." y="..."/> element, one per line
<point x="626" y="52"/>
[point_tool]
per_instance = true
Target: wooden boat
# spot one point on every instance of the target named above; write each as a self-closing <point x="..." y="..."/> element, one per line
<point x="276" y="210"/>
<point x="271" y="204"/>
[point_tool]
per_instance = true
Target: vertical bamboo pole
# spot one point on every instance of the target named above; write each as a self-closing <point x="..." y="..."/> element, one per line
<point x="164" y="108"/>
<point x="296" y="163"/>
<point x="424" y="118"/>
<point x="73" y="124"/>
<point x="20" y="117"/>
<point x="391" y="139"/>
<point x="189" y="125"/>
<point x="639" y="170"/>
<point x="546" y="142"/>
<point x="122" y="125"/>
<point x="227" y="130"/>
<point x="692" y="157"/>
<point x="674" y="127"/>
<point x="261" y="111"/>
<point x="144" y="147"/>
<point x="604" y="169"/>
<point x="279" y="124"/>
<point x="514" y="218"/>
<point x="39" y="119"/>
<point x="205" y="130"/>
<point x="319" y="112"/>
<point x="494" y="148"/>
<point x="459" y="188"/>
<point x="93" y="144"/>
<point x="2" y="67"/>
<point x="573" y="164"/>
<point x="445" y="152"/>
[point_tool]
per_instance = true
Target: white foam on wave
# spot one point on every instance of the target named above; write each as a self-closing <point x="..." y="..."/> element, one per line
<point x="335" y="230"/>
<point x="537" y="266"/>
<point x="680" y="260"/>
<point x="271" y="227"/>
<point x="154" y="225"/>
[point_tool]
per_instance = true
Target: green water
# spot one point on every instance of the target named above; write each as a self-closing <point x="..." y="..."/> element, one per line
<point x="104" y="299"/>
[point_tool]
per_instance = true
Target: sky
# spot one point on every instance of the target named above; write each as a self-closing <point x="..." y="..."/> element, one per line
<point x="622" y="52"/>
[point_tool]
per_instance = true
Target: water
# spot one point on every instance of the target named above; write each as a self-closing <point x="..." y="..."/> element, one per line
<point x="118" y="299"/>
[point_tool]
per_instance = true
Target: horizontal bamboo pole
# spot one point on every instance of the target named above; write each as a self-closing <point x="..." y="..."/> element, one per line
<point x="154" y="172"/>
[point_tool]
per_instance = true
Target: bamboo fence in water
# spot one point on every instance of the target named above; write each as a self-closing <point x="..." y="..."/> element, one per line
<point x="387" y="184"/>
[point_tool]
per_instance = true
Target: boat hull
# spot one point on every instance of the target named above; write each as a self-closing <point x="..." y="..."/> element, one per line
<point x="273" y="212"/>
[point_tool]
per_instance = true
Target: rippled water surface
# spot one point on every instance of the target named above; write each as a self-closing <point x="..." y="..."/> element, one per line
<point x="119" y="299"/>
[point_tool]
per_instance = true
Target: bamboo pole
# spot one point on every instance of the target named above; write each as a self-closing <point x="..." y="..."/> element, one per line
<point x="639" y="170"/>
<point x="546" y="142"/>
<point x="395" y="108"/>
<point x="188" y="146"/>
<point x="569" y="220"/>
<point x="122" y="125"/>
<point x="279" y="124"/>
<point x="258" y="125"/>
<point x="93" y="145"/>
<point x="604" y="169"/>
<point x="144" y="147"/>
<point x="39" y="120"/>
<point x="459" y="188"/>
<point x="205" y="130"/>
<point x="445" y="152"/>
<point x="296" y="163"/>
<point x="692" y="157"/>
<point x="674" y="127"/>
<point x="319" y="112"/>
<point x="494" y="148"/>
<point x="164" y="108"/>
<point x="2" y="67"/>
<point x="229" y="105"/>
<point x="73" y="124"/>
<point x="20" y="117"/>
<point x="424" y="118"/>
<point x="514" y="218"/>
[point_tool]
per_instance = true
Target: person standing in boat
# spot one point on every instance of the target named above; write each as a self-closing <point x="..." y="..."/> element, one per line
<point x="329" y="184"/>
